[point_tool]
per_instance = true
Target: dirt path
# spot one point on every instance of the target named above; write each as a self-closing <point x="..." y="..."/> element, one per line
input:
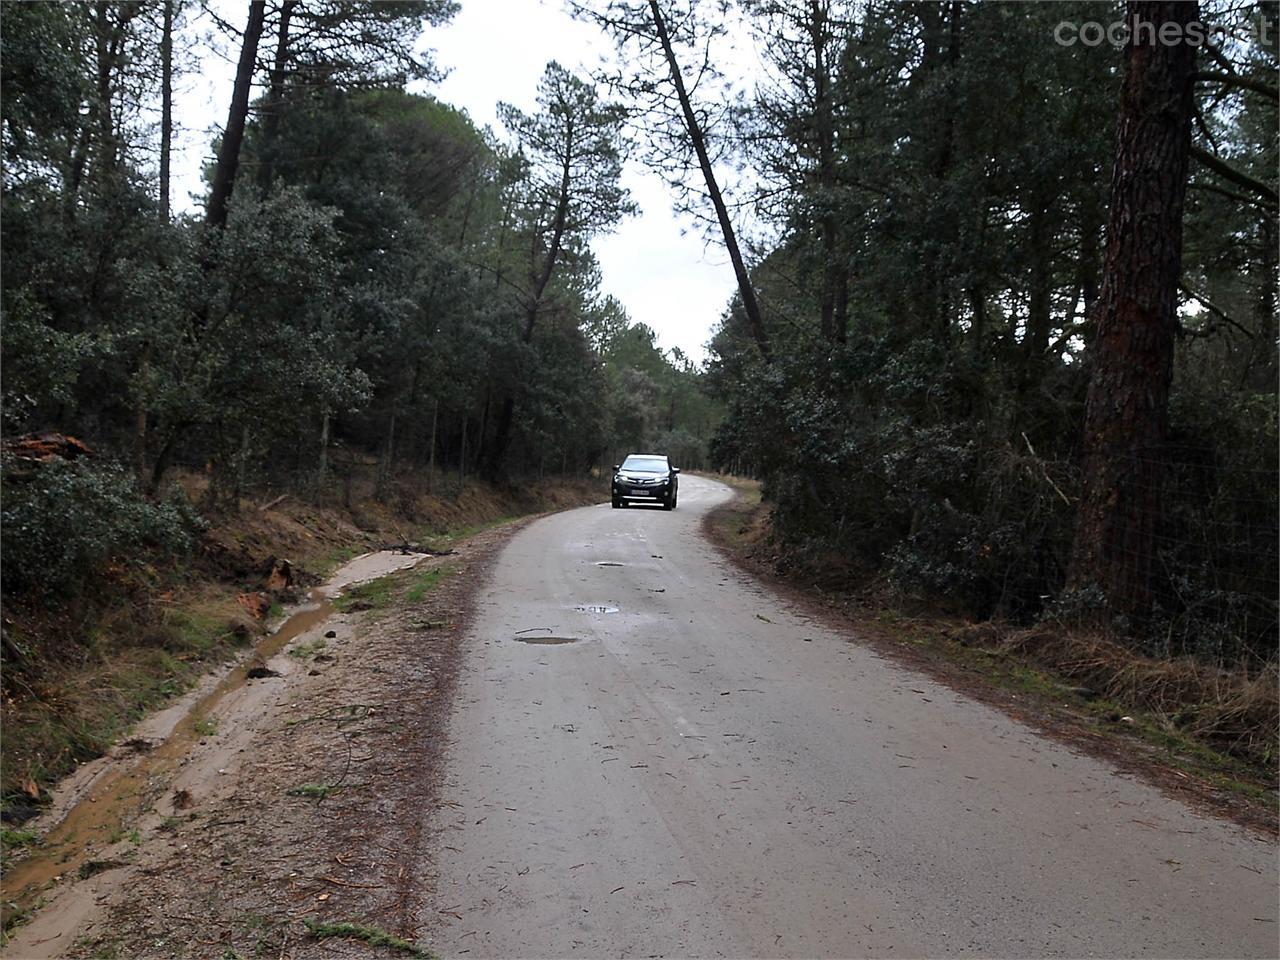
<point x="703" y="771"/>
<point x="290" y="807"/>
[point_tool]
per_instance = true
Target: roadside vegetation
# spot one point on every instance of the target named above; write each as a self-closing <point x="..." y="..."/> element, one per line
<point x="974" y="390"/>
<point x="79" y="673"/>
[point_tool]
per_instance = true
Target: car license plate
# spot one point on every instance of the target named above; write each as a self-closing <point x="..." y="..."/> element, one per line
<point x="641" y="492"/>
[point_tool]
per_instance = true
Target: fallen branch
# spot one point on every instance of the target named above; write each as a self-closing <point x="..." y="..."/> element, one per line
<point x="1044" y="472"/>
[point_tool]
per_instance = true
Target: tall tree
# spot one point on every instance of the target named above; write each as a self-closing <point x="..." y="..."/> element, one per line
<point x="224" y="174"/>
<point x="1126" y="417"/>
<point x="573" y="146"/>
<point x="698" y="141"/>
<point x="792" y="124"/>
<point x="674" y="127"/>
<point x="166" y="103"/>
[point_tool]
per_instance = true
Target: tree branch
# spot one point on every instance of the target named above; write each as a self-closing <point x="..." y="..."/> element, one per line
<point x="1228" y="172"/>
<point x="1212" y="308"/>
<point x="1235" y="80"/>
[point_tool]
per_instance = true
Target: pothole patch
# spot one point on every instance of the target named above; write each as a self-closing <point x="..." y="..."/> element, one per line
<point x="594" y="608"/>
<point x="550" y="641"/>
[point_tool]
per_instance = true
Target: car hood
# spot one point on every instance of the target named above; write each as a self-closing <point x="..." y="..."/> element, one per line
<point x="640" y="474"/>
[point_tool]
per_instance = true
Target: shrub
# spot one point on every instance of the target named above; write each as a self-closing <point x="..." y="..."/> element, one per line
<point x="64" y="522"/>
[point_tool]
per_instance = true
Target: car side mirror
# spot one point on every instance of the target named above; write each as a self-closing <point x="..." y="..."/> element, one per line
<point x="617" y="466"/>
<point x="675" y="469"/>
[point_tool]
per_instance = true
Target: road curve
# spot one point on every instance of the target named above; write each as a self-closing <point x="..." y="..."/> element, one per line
<point x="706" y="772"/>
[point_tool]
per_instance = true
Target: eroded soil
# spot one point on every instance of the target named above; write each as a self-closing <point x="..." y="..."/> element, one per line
<point x="295" y="804"/>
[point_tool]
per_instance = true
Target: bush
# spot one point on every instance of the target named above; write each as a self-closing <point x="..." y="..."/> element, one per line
<point x="64" y="522"/>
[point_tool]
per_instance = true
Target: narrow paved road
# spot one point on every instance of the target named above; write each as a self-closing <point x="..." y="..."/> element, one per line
<point x="706" y="773"/>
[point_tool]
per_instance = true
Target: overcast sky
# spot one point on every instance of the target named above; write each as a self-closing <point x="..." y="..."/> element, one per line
<point x="655" y="263"/>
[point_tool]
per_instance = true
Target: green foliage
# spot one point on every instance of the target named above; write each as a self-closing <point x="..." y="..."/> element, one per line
<point x="205" y="726"/>
<point x="425" y="582"/>
<point x="41" y="71"/>
<point x="373" y="595"/>
<point x="305" y="651"/>
<point x="949" y="190"/>
<point x="65" y="522"/>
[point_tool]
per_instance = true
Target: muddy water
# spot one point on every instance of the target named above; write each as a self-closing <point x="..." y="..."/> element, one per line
<point x="98" y="819"/>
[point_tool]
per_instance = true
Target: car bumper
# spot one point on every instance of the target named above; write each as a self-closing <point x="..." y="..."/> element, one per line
<point x="641" y="493"/>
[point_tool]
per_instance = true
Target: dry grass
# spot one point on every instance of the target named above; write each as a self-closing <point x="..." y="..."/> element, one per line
<point x="1236" y="710"/>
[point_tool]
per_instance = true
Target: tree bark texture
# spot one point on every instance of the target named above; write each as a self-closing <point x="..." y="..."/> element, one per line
<point x="1136" y="319"/>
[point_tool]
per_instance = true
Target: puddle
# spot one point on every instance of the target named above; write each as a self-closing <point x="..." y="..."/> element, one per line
<point x="97" y="820"/>
<point x="547" y="640"/>
<point x="609" y="563"/>
<point x="594" y="608"/>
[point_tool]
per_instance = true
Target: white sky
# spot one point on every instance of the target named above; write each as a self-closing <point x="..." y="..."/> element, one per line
<point x="655" y="263"/>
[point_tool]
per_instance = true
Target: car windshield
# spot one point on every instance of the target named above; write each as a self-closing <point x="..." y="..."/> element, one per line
<point x="645" y="464"/>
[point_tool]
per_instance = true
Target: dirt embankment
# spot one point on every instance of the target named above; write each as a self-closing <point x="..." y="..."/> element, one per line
<point x="77" y="675"/>
<point x="1205" y="735"/>
<point x="285" y="818"/>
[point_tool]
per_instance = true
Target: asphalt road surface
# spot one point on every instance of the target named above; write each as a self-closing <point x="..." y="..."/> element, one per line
<point x="706" y="772"/>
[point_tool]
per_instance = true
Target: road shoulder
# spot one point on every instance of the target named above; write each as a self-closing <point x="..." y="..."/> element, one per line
<point x="304" y="814"/>
<point x="942" y="648"/>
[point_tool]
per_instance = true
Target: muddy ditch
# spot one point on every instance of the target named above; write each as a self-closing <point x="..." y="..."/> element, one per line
<point x="93" y="809"/>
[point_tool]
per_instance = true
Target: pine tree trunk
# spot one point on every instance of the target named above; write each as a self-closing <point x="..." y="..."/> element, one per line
<point x="224" y="174"/>
<point x="323" y="467"/>
<point x="1132" y="356"/>
<point x="431" y="468"/>
<point x="140" y="417"/>
<point x="275" y="101"/>
<point x="242" y="462"/>
<point x="462" y="460"/>
<point x="387" y="463"/>
<point x="166" y="108"/>
<point x="755" y="319"/>
<point x="1039" y="318"/>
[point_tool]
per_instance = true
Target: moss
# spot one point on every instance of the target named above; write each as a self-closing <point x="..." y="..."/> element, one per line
<point x="205" y="726"/>
<point x="305" y="651"/>
<point x="374" y="595"/>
